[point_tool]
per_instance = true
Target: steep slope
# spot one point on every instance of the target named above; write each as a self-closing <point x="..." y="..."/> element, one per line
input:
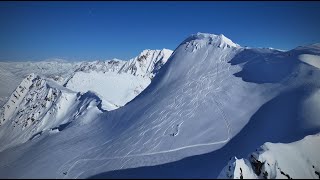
<point x="39" y="106"/>
<point x="147" y="64"/>
<point x="118" y="82"/>
<point x="12" y="73"/>
<point x="211" y="96"/>
<point x="296" y="160"/>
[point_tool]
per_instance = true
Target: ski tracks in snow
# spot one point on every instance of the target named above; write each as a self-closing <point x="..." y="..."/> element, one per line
<point x="200" y="90"/>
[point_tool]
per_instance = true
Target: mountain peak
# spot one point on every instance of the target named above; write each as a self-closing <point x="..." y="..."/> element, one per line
<point x="213" y="38"/>
<point x="201" y="39"/>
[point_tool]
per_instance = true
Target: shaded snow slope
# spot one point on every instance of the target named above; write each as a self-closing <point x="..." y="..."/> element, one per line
<point x="116" y="81"/>
<point x="211" y="96"/>
<point x="297" y="160"/>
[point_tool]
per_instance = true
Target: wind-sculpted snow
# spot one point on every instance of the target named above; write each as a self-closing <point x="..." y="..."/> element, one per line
<point x="208" y="97"/>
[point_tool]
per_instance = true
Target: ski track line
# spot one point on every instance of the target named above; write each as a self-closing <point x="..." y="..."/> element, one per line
<point x="154" y="153"/>
<point x="161" y="152"/>
<point x="172" y="150"/>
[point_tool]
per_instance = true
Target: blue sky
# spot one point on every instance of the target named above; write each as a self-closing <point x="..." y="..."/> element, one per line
<point x="105" y="30"/>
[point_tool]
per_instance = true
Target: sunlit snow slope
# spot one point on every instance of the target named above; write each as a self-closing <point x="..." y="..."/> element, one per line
<point x="12" y="73"/>
<point x="212" y="95"/>
<point x="118" y="82"/>
<point x="40" y="106"/>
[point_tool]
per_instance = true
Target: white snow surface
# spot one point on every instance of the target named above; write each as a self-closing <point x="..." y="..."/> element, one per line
<point x="12" y="73"/>
<point x="141" y="68"/>
<point x="147" y="64"/>
<point x="118" y="82"/>
<point x="313" y="60"/>
<point x="297" y="160"/>
<point x="115" y="89"/>
<point x="39" y="105"/>
<point x="211" y="95"/>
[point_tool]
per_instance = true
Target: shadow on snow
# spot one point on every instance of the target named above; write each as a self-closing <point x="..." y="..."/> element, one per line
<point x="276" y="121"/>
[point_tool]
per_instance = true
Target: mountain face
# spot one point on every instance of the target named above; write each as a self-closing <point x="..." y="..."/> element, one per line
<point x="211" y="100"/>
<point x="39" y="106"/>
<point x="103" y="66"/>
<point x="118" y="82"/>
<point x="95" y="73"/>
<point x="12" y="73"/>
<point x="147" y="64"/>
<point x="278" y="161"/>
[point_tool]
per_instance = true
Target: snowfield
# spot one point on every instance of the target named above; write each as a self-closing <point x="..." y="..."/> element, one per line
<point x="115" y="89"/>
<point x="211" y="100"/>
<point x="116" y="81"/>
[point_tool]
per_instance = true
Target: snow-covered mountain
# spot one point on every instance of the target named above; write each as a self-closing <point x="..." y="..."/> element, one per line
<point x="42" y="106"/>
<point x="118" y="82"/>
<point x="101" y="66"/>
<point x="147" y="64"/>
<point x="111" y="79"/>
<point x="12" y="73"/>
<point x="296" y="160"/>
<point x="212" y="98"/>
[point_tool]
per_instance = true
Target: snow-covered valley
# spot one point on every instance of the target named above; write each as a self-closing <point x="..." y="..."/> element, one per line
<point x="192" y="110"/>
<point x="116" y="81"/>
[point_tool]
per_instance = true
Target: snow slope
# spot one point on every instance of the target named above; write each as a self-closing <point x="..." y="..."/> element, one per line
<point x="147" y="64"/>
<point x="297" y="160"/>
<point x="12" y="73"/>
<point x="115" y="89"/>
<point x="40" y="106"/>
<point x="142" y="68"/>
<point x="313" y="60"/>
<point x="211" y="96"/>
<point x="118" y="82"/>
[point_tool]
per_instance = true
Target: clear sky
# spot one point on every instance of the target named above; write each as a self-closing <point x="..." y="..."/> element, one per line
<point x="105" y="30"/>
